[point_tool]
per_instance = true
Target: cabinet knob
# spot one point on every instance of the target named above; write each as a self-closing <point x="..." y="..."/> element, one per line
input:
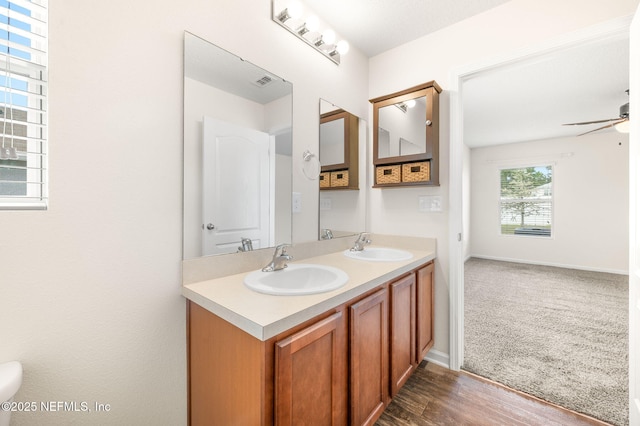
<point x="428" y="123"/>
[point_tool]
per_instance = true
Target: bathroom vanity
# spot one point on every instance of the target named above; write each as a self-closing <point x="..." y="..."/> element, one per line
<point x="337" y="357"/>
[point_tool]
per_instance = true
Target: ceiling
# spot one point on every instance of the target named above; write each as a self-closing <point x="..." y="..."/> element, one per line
<point x="374" y="26"/>
<point x="532" y="101"/>
<point x="527" y="101"/>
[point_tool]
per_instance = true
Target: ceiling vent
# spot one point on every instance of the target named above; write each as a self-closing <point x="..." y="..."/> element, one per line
<point x="263" y="81"/>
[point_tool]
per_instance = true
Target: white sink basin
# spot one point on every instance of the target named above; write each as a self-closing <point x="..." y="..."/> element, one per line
<point x="379" y="254"/>
<point x="297" y="279"/>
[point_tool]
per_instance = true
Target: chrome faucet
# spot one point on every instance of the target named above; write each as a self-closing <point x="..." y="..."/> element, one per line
<point x="280" y="258"/>
<point x="361" y="241"/>
<point x="247" y="245"/>
<point x="326" y="234"/>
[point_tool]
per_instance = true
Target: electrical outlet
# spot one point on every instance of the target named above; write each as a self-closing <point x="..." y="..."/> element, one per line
<point x="429" y="203"/>
<point x="296" y="202"/>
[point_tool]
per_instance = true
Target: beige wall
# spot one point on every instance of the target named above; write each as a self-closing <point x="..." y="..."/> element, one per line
<point x="590" y="202"/>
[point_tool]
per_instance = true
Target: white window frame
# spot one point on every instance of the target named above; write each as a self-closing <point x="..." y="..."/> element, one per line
<point x="551" y="201"/>
<point x="28" y="66"/>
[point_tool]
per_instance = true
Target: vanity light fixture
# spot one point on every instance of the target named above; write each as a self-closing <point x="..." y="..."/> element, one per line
<point x="293" y="11"/>
<point x="307" y="28"/>
<point x="311" y="24"/>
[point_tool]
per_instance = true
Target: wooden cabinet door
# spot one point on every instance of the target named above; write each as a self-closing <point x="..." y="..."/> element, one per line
<point x="369" y="337"/>
<point x="403" y="331"/>
<point x="311" y="375"/>
<point x="424" y="305"/>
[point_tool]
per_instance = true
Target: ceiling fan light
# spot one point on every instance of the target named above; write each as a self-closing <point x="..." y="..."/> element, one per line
<point x="622" y="127"/>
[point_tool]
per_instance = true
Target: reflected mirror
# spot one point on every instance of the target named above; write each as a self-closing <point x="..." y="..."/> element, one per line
<point x="237" y="153"/>
<point x="343" y="136"/>
<point x="401" y="128"/>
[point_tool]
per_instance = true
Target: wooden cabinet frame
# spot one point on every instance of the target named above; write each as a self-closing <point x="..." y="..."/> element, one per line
<point x="351" y="142"/>
<point x="431" y="91"/>
<point x="369" y="343"/>
<point x="237" y="379"/>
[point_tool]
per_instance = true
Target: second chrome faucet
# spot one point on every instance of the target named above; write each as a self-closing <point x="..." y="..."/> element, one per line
<point x="361" y="241"/>
<point x="280" y="259"/>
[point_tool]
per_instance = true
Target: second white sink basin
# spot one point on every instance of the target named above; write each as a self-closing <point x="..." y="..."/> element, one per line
<point x="297" y="279"/>
<point x="379" y="254"/>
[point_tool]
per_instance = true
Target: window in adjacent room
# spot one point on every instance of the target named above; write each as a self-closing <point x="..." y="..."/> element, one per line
<point x="526" y="200"/>
<point x="23" y="104"/>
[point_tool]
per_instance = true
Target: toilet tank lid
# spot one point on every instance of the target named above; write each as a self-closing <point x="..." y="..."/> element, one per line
<point x="10" y="379"/>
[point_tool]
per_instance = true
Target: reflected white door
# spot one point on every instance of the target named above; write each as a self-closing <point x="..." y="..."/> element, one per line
<point x="634" y="224"/>
<point x="235" y="187"/>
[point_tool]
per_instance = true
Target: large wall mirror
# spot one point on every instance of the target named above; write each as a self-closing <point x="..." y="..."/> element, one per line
<point x="237" y="153"/>
<point x="343" y="139"/>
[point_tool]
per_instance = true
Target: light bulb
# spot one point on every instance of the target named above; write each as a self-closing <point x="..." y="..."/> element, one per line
<point x="312" y="23"/>
<point x="294" y="10"/>
<point x="623" y="127"/>
<point x="411" y="103"/>
<point x="342" y="47"/>
<point x="328" y="37"/>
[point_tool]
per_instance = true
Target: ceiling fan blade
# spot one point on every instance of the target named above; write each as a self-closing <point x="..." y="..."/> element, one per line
<point x="591" y="122"/>
<point x="603" y="127"/>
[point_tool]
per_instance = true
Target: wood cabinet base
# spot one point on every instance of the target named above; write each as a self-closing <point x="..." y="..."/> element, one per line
<point x="339" y="368"/>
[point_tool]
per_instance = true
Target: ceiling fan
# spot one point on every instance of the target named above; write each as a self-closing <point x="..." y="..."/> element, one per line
<point x="623" y="118"/>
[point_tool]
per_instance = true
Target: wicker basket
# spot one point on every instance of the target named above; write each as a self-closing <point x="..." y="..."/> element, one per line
<point x="340" y="179"/>
<point x="388" y="174"/>
<point x="324" y="180"/>
<point x="416" y="172"/>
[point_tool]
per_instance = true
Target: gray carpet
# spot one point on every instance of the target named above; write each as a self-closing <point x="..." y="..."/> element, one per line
<point x="558" y="334"/>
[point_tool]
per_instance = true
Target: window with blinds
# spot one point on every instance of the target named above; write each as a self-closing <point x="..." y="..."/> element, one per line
<point x="526" y="201"/>
<point x="23" y="104"/>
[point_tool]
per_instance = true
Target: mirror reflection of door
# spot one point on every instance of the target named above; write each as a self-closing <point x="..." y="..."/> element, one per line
<point x="237" y="176"/>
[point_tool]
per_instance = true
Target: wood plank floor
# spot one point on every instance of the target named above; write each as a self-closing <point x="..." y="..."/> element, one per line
<point x="437" y="396"/>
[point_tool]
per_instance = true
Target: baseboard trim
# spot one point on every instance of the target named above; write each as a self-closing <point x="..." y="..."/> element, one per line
<point x="438" y="358"/>
<point x="557" y="265"/>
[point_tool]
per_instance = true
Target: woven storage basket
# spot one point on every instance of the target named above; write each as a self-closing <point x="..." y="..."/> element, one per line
<point x="340" y="178"/>
<point x="416" y="172"/>
<point x="388" y="174"/>
<point x="324" y="180"/>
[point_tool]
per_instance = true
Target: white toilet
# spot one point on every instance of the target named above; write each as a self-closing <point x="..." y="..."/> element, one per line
<point x="10" y="381"/>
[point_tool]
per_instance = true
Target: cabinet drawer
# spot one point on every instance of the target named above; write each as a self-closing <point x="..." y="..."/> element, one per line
<point x="388" y="174"/>
<point x="324" y="180"/>
<point x="416" y="172"/>
<point x="339" y="179"/>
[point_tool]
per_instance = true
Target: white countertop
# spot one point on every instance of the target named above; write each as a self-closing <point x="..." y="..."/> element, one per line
<point x="264" y="316"/>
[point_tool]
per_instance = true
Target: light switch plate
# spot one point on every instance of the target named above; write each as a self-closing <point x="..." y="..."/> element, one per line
<point x="296" y="202"/>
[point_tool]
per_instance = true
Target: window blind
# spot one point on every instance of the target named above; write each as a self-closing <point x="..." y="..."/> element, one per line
<point x="23" y="104"/>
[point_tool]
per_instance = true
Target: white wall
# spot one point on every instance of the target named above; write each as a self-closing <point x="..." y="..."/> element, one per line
<point x="90" y="289"/>
<point x="506" y="29"/>
<point x="590" y="202"/>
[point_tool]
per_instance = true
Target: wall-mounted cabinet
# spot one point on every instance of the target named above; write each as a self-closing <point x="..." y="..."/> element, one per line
<point x="338" y="150"/>
<point x="406" y="137"/>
